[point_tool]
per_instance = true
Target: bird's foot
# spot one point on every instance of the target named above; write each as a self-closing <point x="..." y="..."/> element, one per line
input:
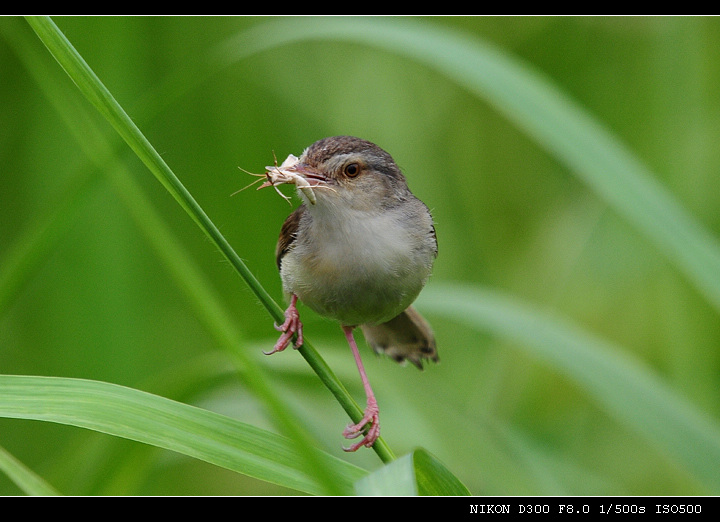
<point x="290" y="327"/>
<point x="372" y="432"/>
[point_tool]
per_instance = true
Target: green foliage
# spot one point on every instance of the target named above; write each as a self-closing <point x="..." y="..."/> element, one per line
<point x="417" y="473"/>
<point x="132" y="414"/>
<point x="599" y="375"/>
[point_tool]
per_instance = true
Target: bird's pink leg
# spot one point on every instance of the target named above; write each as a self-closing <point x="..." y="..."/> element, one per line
<point x="371" y="411"/>
<point x="290" y="327"/>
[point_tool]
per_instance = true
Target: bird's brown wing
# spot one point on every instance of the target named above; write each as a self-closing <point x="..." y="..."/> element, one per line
<point x="288" y="233"/>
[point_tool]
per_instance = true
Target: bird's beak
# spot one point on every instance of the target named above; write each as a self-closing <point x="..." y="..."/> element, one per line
<point x="312" y="176"/>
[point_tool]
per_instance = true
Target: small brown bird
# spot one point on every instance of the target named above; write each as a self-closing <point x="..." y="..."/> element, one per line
<point x="359" y="250"/>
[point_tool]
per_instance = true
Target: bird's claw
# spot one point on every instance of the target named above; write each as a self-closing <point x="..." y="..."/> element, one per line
<point x="290" y="327"/>
<point x="370" y="417"/>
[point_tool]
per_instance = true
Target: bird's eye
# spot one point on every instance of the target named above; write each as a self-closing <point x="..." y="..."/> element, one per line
<point x="351" y="170"/>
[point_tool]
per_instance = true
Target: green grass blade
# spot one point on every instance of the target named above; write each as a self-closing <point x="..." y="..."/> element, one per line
<point x="433" y="478"/>
<point x="396" y="479"/>
<point x="24" y="478"/>
<point x="418" y="473"/>
<point x="530" y="100"/>
<point x="150" y="419"/>
<point x="626" y="389"/>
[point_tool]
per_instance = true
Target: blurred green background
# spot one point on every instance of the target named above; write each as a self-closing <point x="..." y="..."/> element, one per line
<point x="93" y="299"/>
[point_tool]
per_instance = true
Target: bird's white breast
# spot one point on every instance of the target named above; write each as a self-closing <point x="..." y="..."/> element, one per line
<point x="358" y="266"/>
